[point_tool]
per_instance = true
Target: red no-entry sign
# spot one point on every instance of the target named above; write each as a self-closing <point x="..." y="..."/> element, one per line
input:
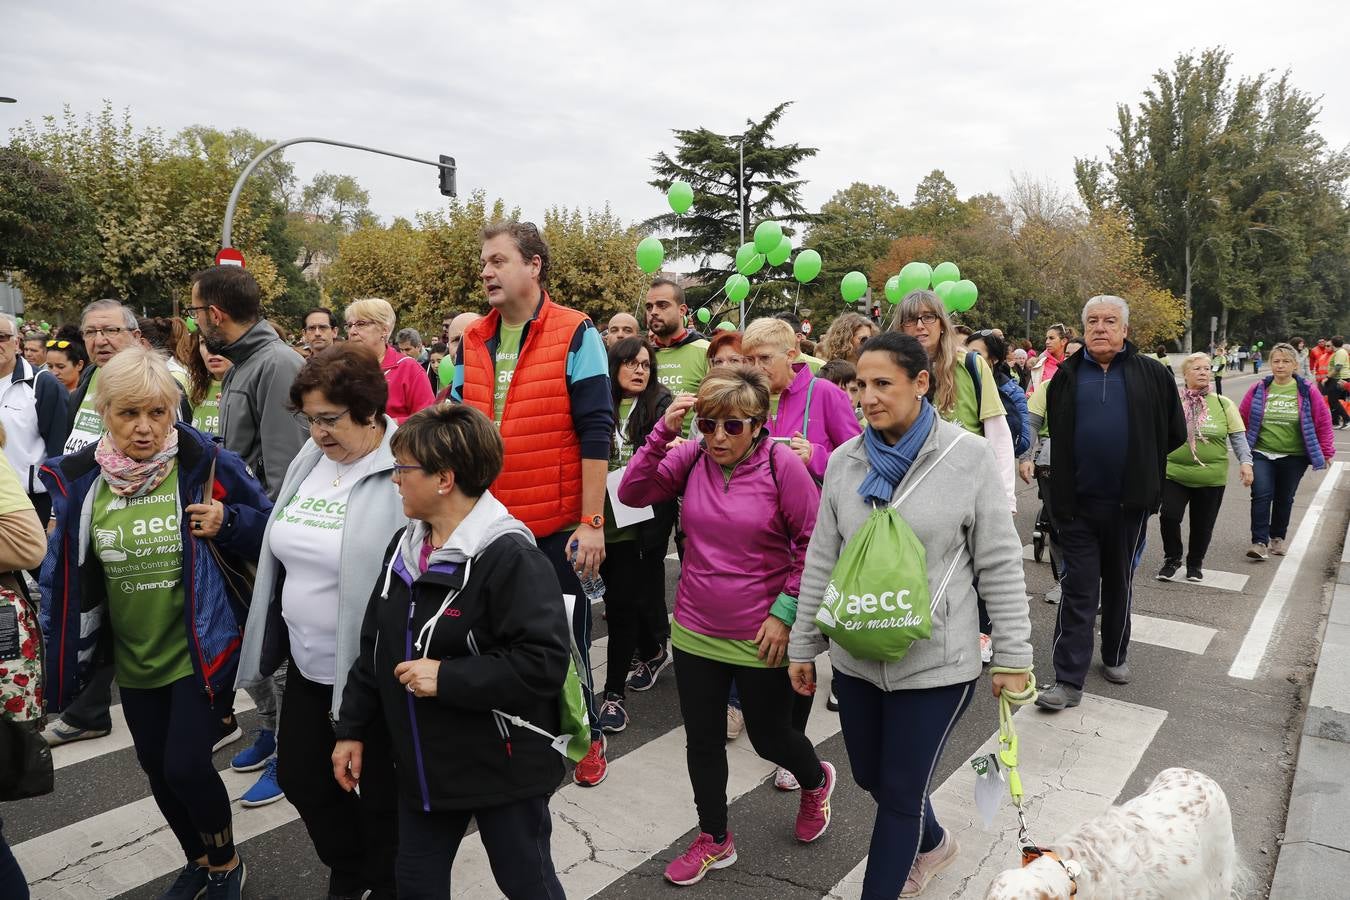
<point x="229" y="256"/>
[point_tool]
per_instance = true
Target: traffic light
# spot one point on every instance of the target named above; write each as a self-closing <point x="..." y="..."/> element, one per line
<point x="447" y="176"/>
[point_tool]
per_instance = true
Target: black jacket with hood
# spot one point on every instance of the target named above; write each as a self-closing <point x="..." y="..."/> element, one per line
<point x="490" y="608"/>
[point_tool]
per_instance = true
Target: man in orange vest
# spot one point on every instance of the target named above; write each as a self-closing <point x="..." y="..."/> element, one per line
<point x="540" y="371"/>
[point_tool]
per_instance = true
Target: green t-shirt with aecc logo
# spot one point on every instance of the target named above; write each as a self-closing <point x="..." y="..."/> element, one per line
<point x="206" y="415"/>
<point x="508" y="351"/>
<point x="88" y="426"/>
<point x="1211" y="446"/>
<point x="138" y="542"/>
<point x="619" y="455"/>
<point x="681" y="369"/>
<point x="1280" y="430"/>
<point x="967" y="413"/>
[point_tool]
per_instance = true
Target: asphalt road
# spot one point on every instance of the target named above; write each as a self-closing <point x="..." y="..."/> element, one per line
<point x="98" y="836"/>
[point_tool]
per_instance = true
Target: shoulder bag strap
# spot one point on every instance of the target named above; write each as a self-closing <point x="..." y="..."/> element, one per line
<point x="928" y="468"/>
<point x="806" y="414"/>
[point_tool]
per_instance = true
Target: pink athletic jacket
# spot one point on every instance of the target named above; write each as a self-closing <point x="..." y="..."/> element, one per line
<point x="831" y="421"/>
<point x="745" y="537"/>
<point x="409" y="387"/>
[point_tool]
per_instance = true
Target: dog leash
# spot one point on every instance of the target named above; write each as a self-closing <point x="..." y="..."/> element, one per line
<point x="1008" y="759"/>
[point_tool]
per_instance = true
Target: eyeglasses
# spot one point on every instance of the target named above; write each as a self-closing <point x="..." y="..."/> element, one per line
<point x="327" y="423"/>
<point x="317" y="328"/>
<point x="928" y="320"/>
<point x="733" y="427"/>
<point x="5" y="338"/>
<point x="727" y="360"/>
<point x="59" y="345"/>
<point x="762" y="360"/>
<point x="400" y="470"/>
<point x="636" y="366"/>
<point x="360" y="323"/>
<point x="111" y="331"/>
<point x="195" y="312"/>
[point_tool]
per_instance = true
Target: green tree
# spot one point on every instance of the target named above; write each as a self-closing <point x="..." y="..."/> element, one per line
<point x="724" y="195"/>
<point x="855" y="230"/>
<point x="46" y="225"/>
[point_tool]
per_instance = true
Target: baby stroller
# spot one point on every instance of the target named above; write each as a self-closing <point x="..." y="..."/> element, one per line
<point x="1043" y="537"/>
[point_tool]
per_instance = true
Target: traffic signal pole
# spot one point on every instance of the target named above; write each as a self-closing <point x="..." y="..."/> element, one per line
<point x="446" y="165"/>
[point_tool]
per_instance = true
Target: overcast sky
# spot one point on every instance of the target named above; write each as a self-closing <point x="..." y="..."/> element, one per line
<point x="565" y="103"/>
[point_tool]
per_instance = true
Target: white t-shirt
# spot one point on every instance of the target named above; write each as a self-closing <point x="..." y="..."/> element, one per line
<point x="307" y="539"/>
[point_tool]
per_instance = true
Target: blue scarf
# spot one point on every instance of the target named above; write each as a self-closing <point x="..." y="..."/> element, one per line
<point x="889" y="464"/>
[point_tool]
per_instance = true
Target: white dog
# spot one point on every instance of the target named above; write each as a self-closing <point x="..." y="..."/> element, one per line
<point x="1172" y="842"/>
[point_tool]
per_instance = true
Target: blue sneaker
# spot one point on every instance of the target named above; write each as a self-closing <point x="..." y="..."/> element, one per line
<point x="643" y="676"/>
<point x="255" y="757"/>
<point x="189" y="885"/>
<point x="613" y="717"/>
<point x="227" y="885"/>
<point x="266" y="789"/>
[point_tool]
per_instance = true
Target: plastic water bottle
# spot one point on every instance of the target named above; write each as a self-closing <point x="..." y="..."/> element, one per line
<point x="593" y="588"/>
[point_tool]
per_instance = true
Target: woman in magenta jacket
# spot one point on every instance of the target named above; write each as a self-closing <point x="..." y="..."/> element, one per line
<point x="748" y="509"/>
<point x="369" y="323"/>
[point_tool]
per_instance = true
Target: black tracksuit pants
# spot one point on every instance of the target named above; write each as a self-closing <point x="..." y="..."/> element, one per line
<point x="1204" y="503"/>
<point x="635" y="583"/>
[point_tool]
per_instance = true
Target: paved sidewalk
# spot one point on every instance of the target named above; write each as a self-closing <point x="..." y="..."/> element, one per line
<point x="1314" y="860"/>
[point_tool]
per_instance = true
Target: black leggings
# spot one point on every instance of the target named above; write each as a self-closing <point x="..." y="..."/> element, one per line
<point x="174" y="728"/>
<point x="1204" y="503"/>
<point x="632" y="580"/>
<point x="769" y="705"/>
<point x="515" y="837"/>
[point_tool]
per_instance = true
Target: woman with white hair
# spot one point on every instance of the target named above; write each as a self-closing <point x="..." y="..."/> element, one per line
<point x="370" y="322"/>
<point x="1197" y="471"/>
<point x="151" y="521"/>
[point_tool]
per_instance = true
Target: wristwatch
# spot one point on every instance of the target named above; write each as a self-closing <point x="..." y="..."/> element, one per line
<point x="595" y="521"/>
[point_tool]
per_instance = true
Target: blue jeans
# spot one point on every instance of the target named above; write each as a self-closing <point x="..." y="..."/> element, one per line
<point x="894" y="740"/>
<point x="1274" y="483"/>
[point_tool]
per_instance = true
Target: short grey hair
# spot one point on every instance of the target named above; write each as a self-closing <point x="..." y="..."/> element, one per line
<point x="128" y="317"/>
<point x="410" y="335"/>
<point x="1108" y="300"/>
<point x="13" y="323"/>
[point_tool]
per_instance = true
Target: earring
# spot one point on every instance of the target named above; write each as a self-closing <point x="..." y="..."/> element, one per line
<point x="440" y="490"/>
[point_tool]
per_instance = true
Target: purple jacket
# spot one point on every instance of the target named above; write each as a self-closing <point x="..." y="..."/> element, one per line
<point x="745" y="536"/>
<point x="830" y="423"/>
<point x="1314" y="418"/>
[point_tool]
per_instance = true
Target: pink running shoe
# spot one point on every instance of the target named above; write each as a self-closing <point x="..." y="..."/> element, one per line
<point x="703" y="855"/>
<point x="813" y="815"/>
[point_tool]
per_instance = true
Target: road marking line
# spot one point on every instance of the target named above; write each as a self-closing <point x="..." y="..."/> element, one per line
<point x="1073" y="765"/>
<point x="1214" y="578"/>
<point x="120" y="738"/>
<point x="1267" y="620"/>
<point x="1170" y="633"/>
<point x="597" y="841"/>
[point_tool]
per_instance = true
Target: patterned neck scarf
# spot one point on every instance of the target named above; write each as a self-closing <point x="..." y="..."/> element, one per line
<point x="1195" y="404"/>
<point x="127" y="477"/>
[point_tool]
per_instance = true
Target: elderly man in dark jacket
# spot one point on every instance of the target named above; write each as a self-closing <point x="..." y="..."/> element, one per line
<point x="1114" y="414"/>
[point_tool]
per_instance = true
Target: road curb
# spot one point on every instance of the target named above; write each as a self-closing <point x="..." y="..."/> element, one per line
<point x="1314" y="860"/>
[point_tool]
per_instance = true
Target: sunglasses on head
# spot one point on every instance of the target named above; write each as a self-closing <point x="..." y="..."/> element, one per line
<point x="733" y="427"/>
<point x="59" y="345"/>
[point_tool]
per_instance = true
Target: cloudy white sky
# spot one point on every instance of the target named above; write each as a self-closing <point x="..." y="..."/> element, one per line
<point x="566" y="102"/>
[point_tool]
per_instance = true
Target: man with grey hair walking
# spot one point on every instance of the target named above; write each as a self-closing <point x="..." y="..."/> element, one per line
<point x="1114" y="415"/>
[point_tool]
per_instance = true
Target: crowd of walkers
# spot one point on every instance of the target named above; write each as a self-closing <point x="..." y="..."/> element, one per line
<point x="400" y="569"/>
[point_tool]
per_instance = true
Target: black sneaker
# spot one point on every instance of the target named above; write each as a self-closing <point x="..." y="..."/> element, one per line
<point x="226" y="885"/>
<point x="832" y="702"/>
<point x="1193" y="573"/>
<point x="613" y="715"/>
<point x="189" y="885"/>
<point x="644" y="674"/>
<point x="1169" y="568"/>
<point x="229" y="733"/>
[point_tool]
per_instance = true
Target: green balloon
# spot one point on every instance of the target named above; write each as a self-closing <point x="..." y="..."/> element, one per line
<point x="749" y="260"/>
<point x="680" y="197"/>
<point x="738" y="288"/>
<point x="191" y="325"/>
<point x="945" y="272"/>
<point x="778" y="255"/>
<point x="853" y="286"/>
<point x="725" y="326"/>
<point x="650" y="254"/>
<point x="703" y="315"/>
<point x="944" y="292"/>
<point x="915" y="276"/>
<point x="446" y="371"/>
<point x="964" y="294"/>
<point x="45" y="327"/>
<point x="1260" y="344"/>
<point x="767" y="235"/>
<point x="806" y="266"/>
<point x="18" y="320"/>
<point x="893" y="290"/>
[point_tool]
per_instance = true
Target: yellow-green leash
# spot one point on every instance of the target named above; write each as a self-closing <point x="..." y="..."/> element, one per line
<point x="1007" y="737"/>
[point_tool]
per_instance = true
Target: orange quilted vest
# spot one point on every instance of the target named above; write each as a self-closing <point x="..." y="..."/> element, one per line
<point x="540" y="482"/>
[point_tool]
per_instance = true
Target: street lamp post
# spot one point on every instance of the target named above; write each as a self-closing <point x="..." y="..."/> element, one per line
<point x="446" y="165"/>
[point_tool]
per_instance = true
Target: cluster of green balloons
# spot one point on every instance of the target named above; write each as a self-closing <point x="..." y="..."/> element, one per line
<point x="957" y="294"/>
<point x="769" y="245"/>
<point x="650" y="254"/>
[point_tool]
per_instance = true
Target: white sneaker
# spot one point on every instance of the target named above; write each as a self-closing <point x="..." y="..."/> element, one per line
<point x="986" y="648"/>
<point x="735" y="723"/>
<point x="784" y="781"/>
<point x="1277" y="546"/>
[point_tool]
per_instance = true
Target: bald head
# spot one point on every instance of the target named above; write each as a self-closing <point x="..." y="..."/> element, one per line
<point x="456" y="330"/>
<point x="621" y="325"/>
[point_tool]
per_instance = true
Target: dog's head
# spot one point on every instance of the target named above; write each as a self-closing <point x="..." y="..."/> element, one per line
<point x="1041" y="879"/>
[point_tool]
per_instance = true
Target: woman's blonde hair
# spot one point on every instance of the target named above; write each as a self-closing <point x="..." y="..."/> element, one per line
<point x="734" y="392"/>
<point x="1198" y="356"/>
<point x="944" y="362"/>
<point x="1282" y="347"/>
<point x="373" y="308"/>
<point x="768" y="332"/>
<point x="838" y="340"/>
<point x="136" y="376"/>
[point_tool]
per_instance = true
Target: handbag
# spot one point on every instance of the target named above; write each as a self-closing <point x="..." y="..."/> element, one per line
<point x="239" y="574"/>
<point x="26" y="768"/>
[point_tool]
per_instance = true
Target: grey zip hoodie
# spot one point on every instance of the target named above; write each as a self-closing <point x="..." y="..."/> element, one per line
<point x="959" y="511"/>
<point x="255" y="418"/>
